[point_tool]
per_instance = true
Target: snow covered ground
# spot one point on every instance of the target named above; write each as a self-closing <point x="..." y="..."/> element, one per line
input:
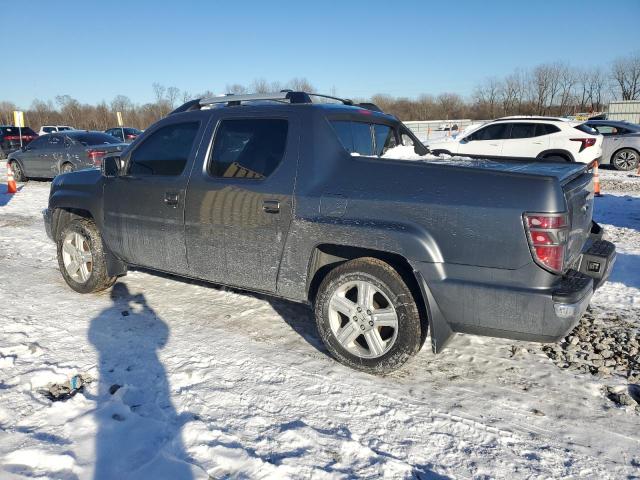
<point x="195" y="381"/>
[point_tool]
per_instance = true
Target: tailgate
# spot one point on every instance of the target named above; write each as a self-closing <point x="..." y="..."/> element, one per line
<point x="579" y="196"/>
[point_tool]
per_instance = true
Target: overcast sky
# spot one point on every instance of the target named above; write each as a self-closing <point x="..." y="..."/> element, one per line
<point x="95" y="51"/>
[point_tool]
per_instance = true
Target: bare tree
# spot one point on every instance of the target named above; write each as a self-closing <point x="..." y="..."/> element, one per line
<point x="236" y="89"/>
<point x="487" y="97"/>
<point x="625" y="73"/>
<point x="172" y="95"/>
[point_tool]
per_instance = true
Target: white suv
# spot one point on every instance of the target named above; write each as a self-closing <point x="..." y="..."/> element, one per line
<point x="526" y="137"/>
<point x="53" y="129"/>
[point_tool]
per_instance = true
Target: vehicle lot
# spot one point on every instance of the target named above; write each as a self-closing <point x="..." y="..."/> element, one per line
<point x="218" y="382"/>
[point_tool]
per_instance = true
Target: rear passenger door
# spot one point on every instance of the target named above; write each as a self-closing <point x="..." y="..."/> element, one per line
<point x="240" y="201"/>
<point x="144" y="206"/>
<point x="526" y="140"/>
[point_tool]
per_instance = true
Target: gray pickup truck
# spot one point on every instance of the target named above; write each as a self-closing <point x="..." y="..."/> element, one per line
<point x="292" y="198"/>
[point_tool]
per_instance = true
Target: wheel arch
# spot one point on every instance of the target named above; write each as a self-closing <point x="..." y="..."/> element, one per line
<point x="62" y="216"/>
<point x="637" y="150"/>
<point x="325" y="257"/>
<point x="558" y="152"/>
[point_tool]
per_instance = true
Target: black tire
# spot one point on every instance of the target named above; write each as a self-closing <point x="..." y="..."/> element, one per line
<point x="625" y="159"/>
<point x="383" y="277"/>
<point x="98" y="279"/>
<point x="556" y="158"/>
<point x="18" y="173"/>
<point x="67" y="168"/>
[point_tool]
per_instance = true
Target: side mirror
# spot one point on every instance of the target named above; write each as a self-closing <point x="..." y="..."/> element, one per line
<point x="420" y="149"/>
<point x="111" y="166"/>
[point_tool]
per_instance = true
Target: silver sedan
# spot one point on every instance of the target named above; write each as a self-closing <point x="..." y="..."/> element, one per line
<point x="621" y="145"/>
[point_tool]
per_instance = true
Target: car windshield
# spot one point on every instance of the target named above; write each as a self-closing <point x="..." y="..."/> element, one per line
<point x="64" y="129"/>
<point x="93" y="138"/>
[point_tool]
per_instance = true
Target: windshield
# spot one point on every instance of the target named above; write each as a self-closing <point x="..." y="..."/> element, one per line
<point x="93" y="138"/>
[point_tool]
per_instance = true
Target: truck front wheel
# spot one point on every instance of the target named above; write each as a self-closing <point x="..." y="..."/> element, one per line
<point x="367" y="316"/>
<point x="81" y="257"/>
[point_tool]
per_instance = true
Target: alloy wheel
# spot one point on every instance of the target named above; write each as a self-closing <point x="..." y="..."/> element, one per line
<point x="77" y="257"/>
<point x="363" y="319"/>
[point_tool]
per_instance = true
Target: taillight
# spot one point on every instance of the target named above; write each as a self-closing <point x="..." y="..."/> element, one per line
<point x="12" y="137"/>
<point x="131" y="137"/>
<point x="547" y="234"/>
<point x="96" y="156"/>
<point x="586" y="142"/>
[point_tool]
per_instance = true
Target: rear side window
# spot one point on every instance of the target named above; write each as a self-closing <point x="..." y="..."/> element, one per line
<point x="248" y="148"/>
<point x="385" y="138"/>
<point x="365" y="138"/>
<point x="165" y="151"/>
<point x="545" y="129"/>
<point x="523" y="130"/>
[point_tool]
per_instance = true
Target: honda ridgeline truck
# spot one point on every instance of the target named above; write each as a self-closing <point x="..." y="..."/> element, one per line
<point x="280" y="195"/>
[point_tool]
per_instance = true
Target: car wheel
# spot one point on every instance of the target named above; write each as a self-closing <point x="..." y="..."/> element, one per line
<point x="16" y="169"/>
<point x="67" y="168"/>
<point x="81" y="257"/>
<point x="625" y="159"/>
<point x="367" y="316"/>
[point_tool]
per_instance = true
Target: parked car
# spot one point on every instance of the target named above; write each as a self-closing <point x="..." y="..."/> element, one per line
<point x="294" y="200"/>
<point x="621" y="144"/>
<point x="10" y="138"/>
<point x="124" y="134"/>
<point x="54" y="128"/>
<point x="49" y="155"/>
<point x="547" y="138"/>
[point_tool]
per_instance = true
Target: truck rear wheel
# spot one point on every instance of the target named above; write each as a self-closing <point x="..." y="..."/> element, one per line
<point x="81" y="257"/>
<point x="367" y="316"/>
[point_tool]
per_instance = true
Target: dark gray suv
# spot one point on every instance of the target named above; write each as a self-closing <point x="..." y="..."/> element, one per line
<point x="276" y="194"/>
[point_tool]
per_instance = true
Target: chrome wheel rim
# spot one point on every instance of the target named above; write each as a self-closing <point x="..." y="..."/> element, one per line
<point x="77" y="257"/>
<point x="626" y="159"/>
<point x="362" y="319"/>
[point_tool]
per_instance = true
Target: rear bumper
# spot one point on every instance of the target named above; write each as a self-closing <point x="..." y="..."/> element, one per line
<point x="504" y="308"/>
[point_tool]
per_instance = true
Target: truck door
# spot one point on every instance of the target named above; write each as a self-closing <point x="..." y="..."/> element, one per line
<point x="144" y="206"/>
<point x="239" y="204"/>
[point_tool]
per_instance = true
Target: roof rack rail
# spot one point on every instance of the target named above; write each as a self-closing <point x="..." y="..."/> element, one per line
<point x="281" y="96"/>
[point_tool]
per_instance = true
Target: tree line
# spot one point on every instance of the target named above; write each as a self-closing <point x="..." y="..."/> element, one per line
<point x="547" y="89"/>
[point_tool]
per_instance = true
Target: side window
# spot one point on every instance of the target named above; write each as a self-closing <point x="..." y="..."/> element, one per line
<point x="248" y="148"/>
<point x="354" y="136"/>
<point x="497" y="131"/>
<point x="606" y="130"/>
<point x="523" y="130"/>
<point x="362" y="143"/>
<point x="165" y="151"/>
<point x="48" y="129"/>
<point x="38" y="143"/>
<point x="385" y="138"/>
<point x="545" y="129"/>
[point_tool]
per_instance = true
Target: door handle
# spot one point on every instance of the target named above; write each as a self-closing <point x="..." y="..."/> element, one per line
<point x="171" y="198"/>
<point x="271" y="206"/>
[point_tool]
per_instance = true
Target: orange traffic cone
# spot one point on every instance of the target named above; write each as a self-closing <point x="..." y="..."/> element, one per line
<point x="11" y="183"/>
<point x="596" y="180"/>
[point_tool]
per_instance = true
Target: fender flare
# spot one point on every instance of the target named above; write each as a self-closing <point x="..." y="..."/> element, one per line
<point x="557" y="151"/>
